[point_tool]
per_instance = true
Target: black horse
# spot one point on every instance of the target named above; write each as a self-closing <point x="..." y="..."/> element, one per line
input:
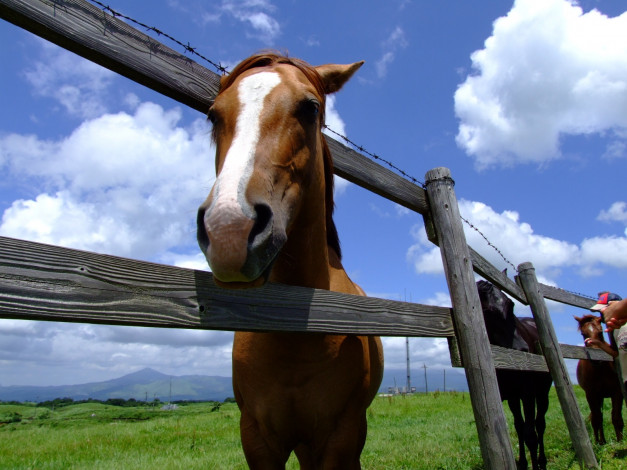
<point x="516" y="386"/>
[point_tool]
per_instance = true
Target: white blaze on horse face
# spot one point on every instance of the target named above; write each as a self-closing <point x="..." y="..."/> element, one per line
<point x="239" y="161"/>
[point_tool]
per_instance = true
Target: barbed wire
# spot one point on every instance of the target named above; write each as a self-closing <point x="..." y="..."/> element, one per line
<point x="362" y="150"/>
<point x="376" y="157"/>
<point x="423" y="185"/>
<point x="222" y="69"/>
<point x="187" y="47"/>
<point x="578" y="293"/>
<point x="490" y="244"/>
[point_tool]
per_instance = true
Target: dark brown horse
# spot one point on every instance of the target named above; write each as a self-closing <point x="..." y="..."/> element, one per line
<point x="269" y="218"/>
<point x="529" y="387"/>
<point x="599" y="379"/>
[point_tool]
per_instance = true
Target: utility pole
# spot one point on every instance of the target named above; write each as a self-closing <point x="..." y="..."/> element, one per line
<point x="426" y="385"/>
<point x="170" y="397"/>
<point x="444" y="380"/>
<point x="408" y="369"/>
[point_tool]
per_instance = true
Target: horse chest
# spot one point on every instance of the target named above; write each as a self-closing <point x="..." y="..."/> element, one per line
<point x="300" y="367"/>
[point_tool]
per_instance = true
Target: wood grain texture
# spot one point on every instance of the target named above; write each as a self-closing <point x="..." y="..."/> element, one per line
<point x="470" y="330"/>
<point x="561" y="378"/>
<point x="362" y="171"/>
<point x="487" y="270"/>
<point x="560" y="295"/>
<point x="518" y="360"/>
<point x="580" y="352"/>
<point x="505" y="358"/>
<point x="99" y="37"/>
<point x="43" y="282"/>
<point x="91" y="33"/>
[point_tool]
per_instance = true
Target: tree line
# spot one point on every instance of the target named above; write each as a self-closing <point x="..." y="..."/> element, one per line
<point x="131" y="402"/>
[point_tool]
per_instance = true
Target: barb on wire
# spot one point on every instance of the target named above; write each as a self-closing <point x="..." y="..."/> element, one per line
<point x="490" y="244"/>
<point x="375" y="156"/>
<point x="187" y="47"/>
<point x="222" y="69"/>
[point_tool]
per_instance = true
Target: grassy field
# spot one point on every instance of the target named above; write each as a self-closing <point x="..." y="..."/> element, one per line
<point x="430" y="432"/>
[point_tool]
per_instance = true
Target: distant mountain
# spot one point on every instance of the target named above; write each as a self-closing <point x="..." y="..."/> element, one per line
<point x="146" y="384"/>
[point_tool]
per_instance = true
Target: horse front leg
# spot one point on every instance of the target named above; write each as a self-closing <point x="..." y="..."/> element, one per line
<point x="542" y="401"/>
<point x="343" y="448"/>
<point x="531" y="437"/>
<point x="596" y="417"/>
<point x="519" y="426"/>
<point x="617" y="415"/>
<point x="258" y="452"/>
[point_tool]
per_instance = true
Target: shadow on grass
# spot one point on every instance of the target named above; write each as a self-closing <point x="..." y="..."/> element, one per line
<point x="620" y="454"/>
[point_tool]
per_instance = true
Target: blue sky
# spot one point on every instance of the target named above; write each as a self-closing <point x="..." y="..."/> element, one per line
<point x="525" y="102"/>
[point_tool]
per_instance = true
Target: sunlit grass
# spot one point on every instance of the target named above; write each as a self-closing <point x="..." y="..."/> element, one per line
<point x="433" y="431"/>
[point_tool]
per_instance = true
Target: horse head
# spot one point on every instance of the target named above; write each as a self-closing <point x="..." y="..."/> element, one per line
<point x="498" y="314"/>
<point x="270" y="156"/>
<point x="590" y="327"/>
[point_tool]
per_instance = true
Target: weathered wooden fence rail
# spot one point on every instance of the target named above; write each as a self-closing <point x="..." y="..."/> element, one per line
<point x="52" y="283"/>
<point x="42" y="282"/>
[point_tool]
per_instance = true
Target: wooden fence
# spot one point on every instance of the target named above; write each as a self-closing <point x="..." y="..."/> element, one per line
<point x="43" y="282"/>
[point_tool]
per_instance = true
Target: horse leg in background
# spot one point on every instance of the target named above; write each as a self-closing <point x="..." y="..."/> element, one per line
<point x="531" y="437"/>
<point x="596" y="417"/>
<point x="617" y="415"/>
<point x="519" y="425"/>
<point x="542" y="402"/>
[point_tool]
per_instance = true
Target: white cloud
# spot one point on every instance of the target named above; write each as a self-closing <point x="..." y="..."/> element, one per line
<point x="615" y="149"/>
<point x="29" y="349"/>
<point x="518" y="243"/>
<point x="122" y="184"/>
<point x="547" y="70"/>
<point x="397" y="40"/>
<point x="441" y="299"/>
<point x="255" y="17"/>
<point x="616" y="213"/>
<point x="333" y="118"/>
<point x="335" y="122"/>
<point x="610" y="251"/>
<point x="77" y="84"/>
<point x="256" y="14"/>
<point x="432" y="351"/>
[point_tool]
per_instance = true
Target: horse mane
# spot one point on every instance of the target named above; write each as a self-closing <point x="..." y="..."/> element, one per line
<point x="585" y="319"/>
<point x="270" y="58"/>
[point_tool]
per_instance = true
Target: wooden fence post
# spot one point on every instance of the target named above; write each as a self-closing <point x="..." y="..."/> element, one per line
<point x="551" y="349"/>
<point x="496" y="447"/>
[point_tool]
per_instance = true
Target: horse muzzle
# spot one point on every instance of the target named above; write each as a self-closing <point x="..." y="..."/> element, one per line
<point x="240" y="243"/>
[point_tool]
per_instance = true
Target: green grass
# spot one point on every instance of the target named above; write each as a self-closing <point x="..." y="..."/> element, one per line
<point x="430" y="432"/>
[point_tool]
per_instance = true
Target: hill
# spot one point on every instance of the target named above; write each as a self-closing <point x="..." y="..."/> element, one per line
<point x="148" y="384"/>
<point x="145" y="385"/>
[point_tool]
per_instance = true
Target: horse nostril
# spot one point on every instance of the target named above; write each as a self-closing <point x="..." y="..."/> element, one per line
<point x="201" y="231"/>
<point x="263" y="217"/>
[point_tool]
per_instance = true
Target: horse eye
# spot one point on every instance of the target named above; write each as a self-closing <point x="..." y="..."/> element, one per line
<point x="310" y="109"/>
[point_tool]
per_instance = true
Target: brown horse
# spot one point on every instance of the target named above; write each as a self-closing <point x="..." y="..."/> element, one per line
<point x="516" y="386"/>
<point x="269" y="217"/>
<point x="599" y="379"/>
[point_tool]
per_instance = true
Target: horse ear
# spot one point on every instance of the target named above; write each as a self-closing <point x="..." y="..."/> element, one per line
<point x="577" y="318"/>
<point x="334" y="76"/>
